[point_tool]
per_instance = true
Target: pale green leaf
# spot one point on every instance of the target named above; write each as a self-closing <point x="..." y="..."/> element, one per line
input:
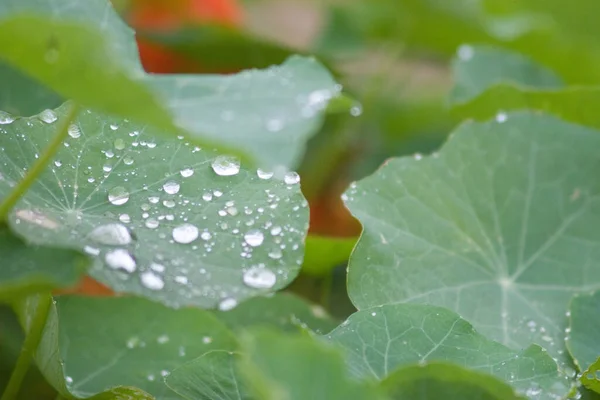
<point x="498" y="226"/>
<point x="381" y="339"/>
<point x="122" y="194"/>
<point x="583" y="338"/>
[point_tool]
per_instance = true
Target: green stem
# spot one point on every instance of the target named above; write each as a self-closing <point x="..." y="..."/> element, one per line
<point x="38" y="167"/>
<point x="29" y="347"/>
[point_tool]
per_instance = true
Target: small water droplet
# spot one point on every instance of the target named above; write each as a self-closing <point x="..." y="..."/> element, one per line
<point x="259" y="278"/>
<point x="183" y="280"/>
<point x="501" y="117"/>
<point x="186" y="172"/>
<point x="114" y="127"/>
<point x="276" y="230"/>
<point x="207" y="340"/>
<point x="48" y="116"/>
<point x="69" y="380"/>
<point x="226" y="165"/>
<point x="6" y="118"/>
<point x="91" y="250"/>
<point x="254" y="237"/>
<point x="171" y="187"/>
<point x="185" y="233"/>
<point x="356" y="111"/>
<point x="120" y="259"/>
<point x="206" y="235"/>
<point x="127" y="160"/>
<point x="74" y="131"/>
<point x="291" y="178"/>
<point x="58" y="163"/>
<point x="207" y="196"/>
<point x="125" y="218"/>
<point x="119" y="144"/>
<point x="227" y="304"/>
<point x="118" y="196"/>
<point x="111" y="235"/>
<point x="275" y="254"/>
<point x="151" y="223"/>
<point x="152" y="281"/>
<point x="264" y="174"/>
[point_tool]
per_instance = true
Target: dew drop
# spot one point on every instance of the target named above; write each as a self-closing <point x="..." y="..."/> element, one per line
<point x="152" y="281"/>
<point x="227" y="304"/>
<point x="207" y="196"/>
<point x="171" y="187"/>
<point x="254" y="237"/>
<point x="6" y="118"/>
<point x="118" y="196"/>
<point x="48" y="116"/>
<point x="74" y="131"/>
<point x="264" y="174"/>
<point x="125" y="218"/>
<point x="259" y="278"/>
<point x="169" y="203"/>
<point x="111" y="235"/>
<point x="226" y="165"/>
<point x="58" y="163"/>
<point x="501" y="117"/>
<point x="151" y="223"/>
<point x="291" y="178"/>
<point x="127" y="160"/>
<point x="207" y="340"/>
<point x="186" y="172"/>
<point x="185" y="233"/>
<point x="206" y="235"/>
<point x="119" y="144"/>
<point x="275" y="254"/>
<point x="120" y="259"/>
<point x="183" y="280"/>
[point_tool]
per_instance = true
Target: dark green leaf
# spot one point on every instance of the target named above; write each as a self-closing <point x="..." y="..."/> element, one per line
<point x="91" y="345"/>
<point x="212" y="376"/>
<point x="298" y="368"/>
<point x="476" y="68"/>
<point x="504" y="214"/>
<point x="435" y="381"/>
<point x="126" y="196"/>
<point x="283" y="311"/>
<point x="123" y="393"/>
<point x="27" y="269"/>
<point x="381" y="339"/>
<point x="583" y="339"/>
<point x="83" y="51"/>
<point x="591" y="377"/>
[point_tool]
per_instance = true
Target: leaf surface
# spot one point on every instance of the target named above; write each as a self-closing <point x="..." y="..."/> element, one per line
<point x="434" y="381"/>
<point x="161" y="217"/>
<point x="498" y="226"/>
<point x="29" y="269"/>
<point x="591" y="377"/>
<point x="382" y="339"/>
<point x="83" y="51"/>
<point x="583" y="339"/>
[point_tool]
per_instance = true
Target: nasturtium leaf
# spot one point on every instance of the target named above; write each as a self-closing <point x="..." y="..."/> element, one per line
<point x="27" y="269"/>
<point x="324" y="253"/>
<point x="433" y="381"/>
<point x="278" y="366"/>
<point x="498" y="226"/>
<point x="91" y="345"/>
<point x="283" y="311"/>
<point x="83" y="51"/>
<point x="478" y="67"/>
<point x="381" y="339"/>
<point x="212" y="376"/>
<point x="591" y="376"/>
<point x="123" y="393"/>
<point x="161" y="217"/>
<point x="22" y="96"/>
<point x="583" y="335"/>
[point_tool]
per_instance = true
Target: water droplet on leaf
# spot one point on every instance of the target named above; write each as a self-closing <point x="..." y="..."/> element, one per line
<point x="259" y="278"/>
<point x="185" y="233"/>
<point x="120" y="259"/>
<point x="226" y="165"/>
<point x="118" y="196"/>
<point x="171" y="187"/>
<point x="254" y="237"/>
<point x="111" y="235"/>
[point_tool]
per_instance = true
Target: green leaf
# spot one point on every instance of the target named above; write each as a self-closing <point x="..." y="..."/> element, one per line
<point x="583" y="339"/>
<point x="591" y="377"/>
<point x="283" y="311"/>
<point x="212" y="376"/>
<point x="154" y="214"/>
<point x="381" y="339"/>
<point x="477" y="67"/>
<point x="324" y="253"/>
<point x="22" y="96"/>
<point x="504" y="214"/>
<point x="30" y="269"/>
<point x="435" y="381"/>
<point x="277" y="366"/>
<point x="83" y="51"/>
<point x="123" y="393"/>
<point x="91" y="345"/>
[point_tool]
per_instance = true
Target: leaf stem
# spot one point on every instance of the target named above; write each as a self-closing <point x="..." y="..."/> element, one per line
<point x="29" y="347"/>
<point x="38" y="167"/>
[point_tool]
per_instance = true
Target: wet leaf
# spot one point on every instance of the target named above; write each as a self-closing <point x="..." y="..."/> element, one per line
<point x="27" y="269"/>
<point x="591" y="377"/>
<point x="478" y="67"/>
<point x="381" y="339"/>
<point x="583" y="334"/>
<point x="283" y="311"/>
<point x="504" y="214"/>
<point x="91" y="345"/>
<point x="277" y="366"/>
<point x="83" y="51"/>
<point x="161" y="218"/>
<point x="123" y="393"/>
<point x="433" y="381"/>
<point x="212" y="376"/>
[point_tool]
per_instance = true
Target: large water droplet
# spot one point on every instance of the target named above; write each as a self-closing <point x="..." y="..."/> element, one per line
<point x="111" y="235"/>
<point x="185" y="233"/>
<point x="259" y="278"/>
<point x="254" y="237"/>
<point x="226" y="165"/>
<point x="120" y="259"/>
<point x="291" y="178"/>
<point x="227" y="304"/>
<point x="48" y="116"/>
<point x="6" y="118"/>
<point x="186" y="172"/>
<point x="264" y="174"/>
<point x="171" y="187"/>
<point x="152" y="281"/>
<point x="74" y="131"/>
<point x="118" y="196"/>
